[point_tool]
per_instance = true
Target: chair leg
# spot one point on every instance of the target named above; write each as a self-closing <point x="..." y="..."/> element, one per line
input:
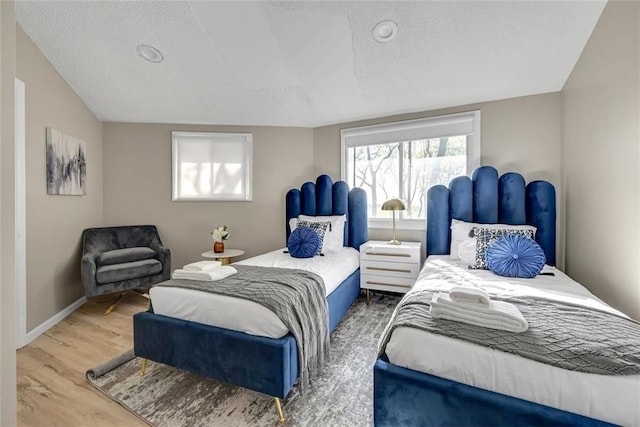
<point x="279" y="409"/>
<point x="113" y="305"/>
<point x="144" y="367"/>
<point x="142" y="292"/>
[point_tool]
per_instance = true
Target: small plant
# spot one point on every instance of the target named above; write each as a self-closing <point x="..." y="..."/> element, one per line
<point x="220" y="234"/>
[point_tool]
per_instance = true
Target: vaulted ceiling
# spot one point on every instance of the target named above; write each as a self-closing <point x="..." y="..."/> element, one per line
<point x="304" y="63"/>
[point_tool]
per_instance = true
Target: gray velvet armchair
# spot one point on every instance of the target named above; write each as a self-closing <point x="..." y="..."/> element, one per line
<point x="119" y="259"/>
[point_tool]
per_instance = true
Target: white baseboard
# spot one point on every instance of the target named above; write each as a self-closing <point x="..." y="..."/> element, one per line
<point x="54" y="320"/>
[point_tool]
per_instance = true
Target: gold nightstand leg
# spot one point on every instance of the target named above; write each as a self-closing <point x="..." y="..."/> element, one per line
<point x="144" y="367"/>
<point x="368" y="297"/>
<point x="279" y="409"/>
<point x="224" y="261"/>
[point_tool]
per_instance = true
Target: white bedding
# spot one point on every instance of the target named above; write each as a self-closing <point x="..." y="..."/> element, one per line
<point x="247" y="316"/>
<point x="615" y="399"/>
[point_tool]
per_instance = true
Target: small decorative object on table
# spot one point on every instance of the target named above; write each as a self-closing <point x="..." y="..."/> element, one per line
<point x="219" y="235"/>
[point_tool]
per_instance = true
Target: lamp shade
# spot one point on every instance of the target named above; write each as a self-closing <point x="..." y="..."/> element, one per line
<point x="393" y="205"/>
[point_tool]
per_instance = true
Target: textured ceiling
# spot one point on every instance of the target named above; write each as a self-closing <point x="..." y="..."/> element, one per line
<point x="304" y="63"/>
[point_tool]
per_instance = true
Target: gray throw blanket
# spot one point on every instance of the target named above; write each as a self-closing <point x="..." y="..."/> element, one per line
<point x="560" y="334"/>
<point x="297" y="297"/>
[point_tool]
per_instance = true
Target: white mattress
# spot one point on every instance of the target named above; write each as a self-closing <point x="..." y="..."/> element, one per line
<point x="615" y="399"/>
<point x="247" y="316"/>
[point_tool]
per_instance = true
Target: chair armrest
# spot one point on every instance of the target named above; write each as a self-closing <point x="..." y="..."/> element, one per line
<point x="164" y="256"/>
<point x="88" y="273"/>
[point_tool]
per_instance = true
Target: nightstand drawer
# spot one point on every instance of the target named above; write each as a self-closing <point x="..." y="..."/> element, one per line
<point x="386" y="283"/>
<point x="390" y="253"/>
<point x="395" y="269"/>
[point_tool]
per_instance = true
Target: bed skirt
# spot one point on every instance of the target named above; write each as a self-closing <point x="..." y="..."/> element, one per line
<point x="410" y="398"/>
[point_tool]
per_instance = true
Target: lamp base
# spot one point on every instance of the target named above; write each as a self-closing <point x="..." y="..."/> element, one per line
<point x="394" y="242"/>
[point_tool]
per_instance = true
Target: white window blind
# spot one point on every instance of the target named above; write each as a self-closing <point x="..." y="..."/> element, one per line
<point x="433" y="127"/>
<point x="211" y="166"/>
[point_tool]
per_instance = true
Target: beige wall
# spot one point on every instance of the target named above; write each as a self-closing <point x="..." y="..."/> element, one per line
<point x="601" y="160"/>
<point x="518" y="134"/>
<point x="137" y="187"/>
<point x="55" y="223"/>
<point x="7" y="206"/>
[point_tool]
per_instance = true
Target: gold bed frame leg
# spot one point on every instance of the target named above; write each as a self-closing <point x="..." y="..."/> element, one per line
<point x="113" y="305"/>
<point x="279" y="409"/>
<point x="144" y="367"/>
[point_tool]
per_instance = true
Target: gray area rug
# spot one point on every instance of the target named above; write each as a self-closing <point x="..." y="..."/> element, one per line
<point x="341" y="396"/>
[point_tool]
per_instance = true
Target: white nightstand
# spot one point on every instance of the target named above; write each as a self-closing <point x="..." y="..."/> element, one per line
<point x="385" y="267"/>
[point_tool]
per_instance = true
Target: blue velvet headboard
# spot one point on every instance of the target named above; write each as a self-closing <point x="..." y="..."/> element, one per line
<point x="485" y="198"/>
<point x="328" y="198"/>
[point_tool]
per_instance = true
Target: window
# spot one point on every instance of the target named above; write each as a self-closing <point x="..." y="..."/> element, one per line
<point x="211" y="166"/>
<point x="404" y="159"/>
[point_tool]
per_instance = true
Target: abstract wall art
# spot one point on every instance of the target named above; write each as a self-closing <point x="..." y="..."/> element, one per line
<point x="66" y="164"/>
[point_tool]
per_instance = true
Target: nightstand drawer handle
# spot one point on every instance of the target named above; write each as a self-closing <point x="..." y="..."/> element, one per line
<point x="389" y="269"/>
<point x="387" y="284"/>
<point x="388" y="254"/>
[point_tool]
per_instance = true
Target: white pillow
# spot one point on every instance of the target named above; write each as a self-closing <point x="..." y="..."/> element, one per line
<point x="467" y="251"/>
<point x="333" y="238"/>
<point x="460" y="232"/>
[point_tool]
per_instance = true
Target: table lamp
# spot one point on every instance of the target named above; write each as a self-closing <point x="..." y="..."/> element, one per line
<point x="394" y="205"/>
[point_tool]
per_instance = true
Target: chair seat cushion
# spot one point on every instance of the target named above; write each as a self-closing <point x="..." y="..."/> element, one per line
<point x="118" y="256"/>
<point x="127" y="270"/>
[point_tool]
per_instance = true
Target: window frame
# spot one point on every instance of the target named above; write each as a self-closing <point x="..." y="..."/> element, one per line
<point x="464" y="123"/>
<point x="245" y="139"/>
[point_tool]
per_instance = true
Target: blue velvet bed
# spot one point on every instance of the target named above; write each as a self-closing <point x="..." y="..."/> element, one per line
<point x="265" y="365"/>
<point x="404" y="397"/>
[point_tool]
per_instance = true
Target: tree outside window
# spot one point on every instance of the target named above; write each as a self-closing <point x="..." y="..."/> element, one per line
<point x="406" y="170"/>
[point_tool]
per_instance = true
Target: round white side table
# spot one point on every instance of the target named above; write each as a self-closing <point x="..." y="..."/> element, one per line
<point x="225" y="256"/>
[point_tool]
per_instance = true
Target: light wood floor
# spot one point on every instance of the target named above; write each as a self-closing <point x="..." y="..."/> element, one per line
<point x="52" y="389"/>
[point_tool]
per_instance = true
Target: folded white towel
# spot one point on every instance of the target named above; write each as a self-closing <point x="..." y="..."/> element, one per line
<point x="202" y="266"/>
<point x="206" y="276"/>
<point x="497" y="315"/>
<point x="467" y="295"/>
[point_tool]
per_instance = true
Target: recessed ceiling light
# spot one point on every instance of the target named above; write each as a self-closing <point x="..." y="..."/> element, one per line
<point x="385" y="31"/>
<point x="149" y="53"/>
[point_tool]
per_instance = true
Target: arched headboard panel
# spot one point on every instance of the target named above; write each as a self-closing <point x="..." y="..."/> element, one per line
<point x="489" y="199"/>
<point x="485" y="195"/>
<point x="308" y="198"/>
<point x="324" y="197"/>
<point x="541" y="213"/>
<point x="511" y="193"/>
<point x="461" y="196"/>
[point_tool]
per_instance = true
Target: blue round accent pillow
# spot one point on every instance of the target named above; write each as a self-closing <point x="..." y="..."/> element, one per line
<point x="303" y="242"/>
<point x="515" y="255"/>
